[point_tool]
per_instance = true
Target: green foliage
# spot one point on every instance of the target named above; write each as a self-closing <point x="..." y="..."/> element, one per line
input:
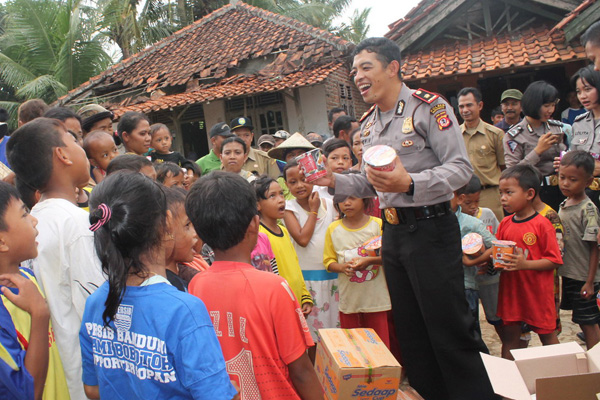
<point x="357" y="28"/>
<point x="46" y="49"/>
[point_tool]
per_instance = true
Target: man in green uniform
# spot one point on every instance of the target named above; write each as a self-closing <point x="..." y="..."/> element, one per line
<point x="211" y="162"/>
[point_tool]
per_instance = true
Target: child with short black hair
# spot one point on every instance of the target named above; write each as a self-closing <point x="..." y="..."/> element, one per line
<point x="579" y="216"/>
<point x="526" y="292"/>
<point x="161" y="142"/>
<point x="258" y="320"/>
<point x="101" y="149"/>
<point x="29" y="317"/>
<point x="138" y="311"/>
<point x="169" y="174"/>
<point x="364" y="297"/>
<point x="47" y="158"/>
<point x="307" y="218"/>
<point x="481" y="280"/>
<point x="182" y="240"/>
<point x="132" y="162"/>
<point x="271" y="208"/>
<point x="470" y="204"/>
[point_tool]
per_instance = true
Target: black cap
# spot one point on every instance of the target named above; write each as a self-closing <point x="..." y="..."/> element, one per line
<point x="241" y="122"/>
<point x="220" y="129"/>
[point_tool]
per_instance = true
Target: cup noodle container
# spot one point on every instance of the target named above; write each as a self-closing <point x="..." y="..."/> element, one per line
<point x="370" y="248"/>
<point x="312" y="164"/>
<point x="500" y="247"/>
<point x="380" y="157"/>
<point x="472" y="244"/>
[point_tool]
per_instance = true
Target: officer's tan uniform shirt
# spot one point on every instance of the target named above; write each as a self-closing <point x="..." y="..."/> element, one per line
<point x="521" y="139"/>
<point x="258" y="162"/>
<point x="586" y="134"/>
<point x="486" y="151"/>
<point x="427" y="139"/>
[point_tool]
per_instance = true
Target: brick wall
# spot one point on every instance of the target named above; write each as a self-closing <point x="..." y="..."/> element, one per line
<point x="340" y="91"/>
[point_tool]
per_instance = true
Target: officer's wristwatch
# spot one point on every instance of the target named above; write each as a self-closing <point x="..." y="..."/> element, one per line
<point x="411" y="188"/>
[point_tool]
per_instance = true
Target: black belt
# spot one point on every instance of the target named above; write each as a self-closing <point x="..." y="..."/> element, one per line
<point x="402" y="215"/>
<point x="483" y="187"/>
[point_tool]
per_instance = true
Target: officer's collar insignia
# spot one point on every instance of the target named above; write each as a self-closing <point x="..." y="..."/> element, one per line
<point x="529" y="128"/>
<point x="400" y="107"/>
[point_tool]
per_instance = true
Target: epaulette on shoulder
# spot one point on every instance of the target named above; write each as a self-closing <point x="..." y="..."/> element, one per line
<point x="515" y="130"/>
<point x="554" y="122"/>
<point x="581" y="116"/>
<point x="365" y="115"/>
<point x="425" y="96"/>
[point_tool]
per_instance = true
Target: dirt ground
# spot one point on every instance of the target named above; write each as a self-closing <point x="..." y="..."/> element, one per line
<point x="491" y="339"/>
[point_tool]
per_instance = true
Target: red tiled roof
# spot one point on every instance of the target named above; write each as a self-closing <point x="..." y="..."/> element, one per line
<point x="531" y="46"/>
<point x="573" y="14"/>
<point x="213" y="47"/>
<point x="237" y="85"/>
<point x="416" y="14"/>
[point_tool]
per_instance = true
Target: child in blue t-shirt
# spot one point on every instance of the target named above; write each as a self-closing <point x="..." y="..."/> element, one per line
<point x="27" y="363"/>
<point x="140" y="337"/>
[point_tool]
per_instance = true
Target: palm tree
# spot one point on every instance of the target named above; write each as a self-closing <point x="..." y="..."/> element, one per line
<point x="46" y="49"/>
<point x="357" y="28"/>
<point x="132" y="30"/>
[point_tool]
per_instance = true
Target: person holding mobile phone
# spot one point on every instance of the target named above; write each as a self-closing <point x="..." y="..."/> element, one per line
<point x="538" y="139"/>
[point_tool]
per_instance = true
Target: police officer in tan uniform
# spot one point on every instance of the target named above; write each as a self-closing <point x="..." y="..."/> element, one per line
<point x="258" y="162"/>
<point x="538" y="139"/>
<point x="421" y="239"/>
<point x="485" y="148"/>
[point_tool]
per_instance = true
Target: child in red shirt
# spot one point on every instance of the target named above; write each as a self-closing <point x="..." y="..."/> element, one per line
<point x="259" y="323"/>
<point x="526" y="291"/>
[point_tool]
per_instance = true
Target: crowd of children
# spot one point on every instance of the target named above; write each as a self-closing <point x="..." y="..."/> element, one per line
<point x="159" y="287"/>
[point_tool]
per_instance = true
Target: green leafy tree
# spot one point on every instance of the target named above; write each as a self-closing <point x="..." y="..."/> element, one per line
<point x="133" y="25"/>
<point x="357" y="28"/>
<point x="47" y="48"/>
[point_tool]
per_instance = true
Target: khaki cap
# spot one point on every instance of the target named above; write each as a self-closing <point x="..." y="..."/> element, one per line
<point x="511" y="94"/>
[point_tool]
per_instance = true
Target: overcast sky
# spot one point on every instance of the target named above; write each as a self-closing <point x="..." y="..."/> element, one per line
<point x="383" y="12"/>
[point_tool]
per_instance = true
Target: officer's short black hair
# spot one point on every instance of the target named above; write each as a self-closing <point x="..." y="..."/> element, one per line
<point x="590" y="75"/>
<point x="472" y="187"/>
<point x="497" y="111"/>
<point x="592" y="35"/>
<point x="385" y="50"/>
<point x="334" y="110"/>
<point x="579" y="159"/>
<point x="343" y="123"/>
<point x="465" y="91"/>
<point x="526" y="175"/>
<point x="536" y="95"/>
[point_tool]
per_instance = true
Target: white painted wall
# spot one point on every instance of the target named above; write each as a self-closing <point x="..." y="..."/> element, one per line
<point x="213" y="113"/>
<point x="314" y="110"/>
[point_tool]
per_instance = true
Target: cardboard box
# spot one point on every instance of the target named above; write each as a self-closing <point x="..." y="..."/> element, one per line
<point x="556" y="372"/>
<point x="354" y="364"/>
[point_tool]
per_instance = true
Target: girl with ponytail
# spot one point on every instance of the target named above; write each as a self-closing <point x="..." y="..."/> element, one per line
<point x="140" y="337"/>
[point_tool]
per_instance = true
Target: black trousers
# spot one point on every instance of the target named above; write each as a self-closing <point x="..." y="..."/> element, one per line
<point x="436" y="331"/>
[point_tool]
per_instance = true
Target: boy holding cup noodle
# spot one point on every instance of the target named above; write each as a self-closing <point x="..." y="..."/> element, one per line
<point x="481" y="280"/>
<point x="526" y="292"/>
